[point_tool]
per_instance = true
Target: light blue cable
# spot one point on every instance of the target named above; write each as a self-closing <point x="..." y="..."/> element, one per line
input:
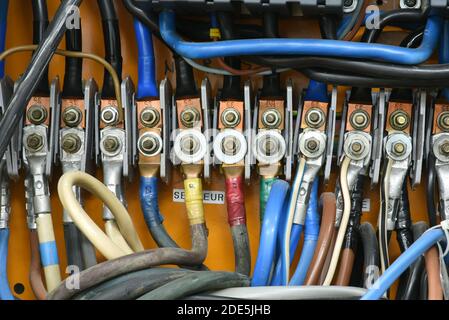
<point x="268" y="236"/>
<point x="419" y="247"/>
<point x="146" y="84"/>
<point x="5" y="291"/>
<point x="313" y="47"/>
<point x="3" y="21"/>
<point x="311" y="233"/>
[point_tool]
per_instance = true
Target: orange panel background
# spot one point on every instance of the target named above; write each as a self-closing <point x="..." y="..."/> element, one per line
<point x="220" y="255"/>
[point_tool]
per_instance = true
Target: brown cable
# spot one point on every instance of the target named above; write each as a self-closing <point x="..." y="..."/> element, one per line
<point x="351" y="34"/>
<point x="345" y="269"/>
<point x="239" y="72"/>
<point x="435" y="291"/>
<point x="328" y="259"/>
<point x="324" y="239"/>
<point x="37" y="284"/>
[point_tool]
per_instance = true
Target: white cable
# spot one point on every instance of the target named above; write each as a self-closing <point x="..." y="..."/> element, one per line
<point x="343" y="224"/>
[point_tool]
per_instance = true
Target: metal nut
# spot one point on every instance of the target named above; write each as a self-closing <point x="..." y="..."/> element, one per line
<point x="359" y="119"/>
<point x="271" y="118"/>
<point x="149" y="117"/>
<point x="443" y="121"/>
<point x="230" y="146"/>
<point x="37" y="114"/>
<point x="111" y="144"/>
<point x="312" y="145"/>
<point x="148" y="145"/>
<point x="189" y="117"/>
<point x="444" y="148"/>
<point x="34" y="142"/>
<point x="399" y="148"/>
<point x="189" y="145"/>
<point x="71" y="143"/>
<point x="72" y="116"/>
<point x="399" y="120"/>
<point x="230" y="118"/>
<point x="315" y="118"/>
<point x="109" y="115"/>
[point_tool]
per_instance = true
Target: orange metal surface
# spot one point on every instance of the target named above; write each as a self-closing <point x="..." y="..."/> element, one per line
<point x="220" y="255"/>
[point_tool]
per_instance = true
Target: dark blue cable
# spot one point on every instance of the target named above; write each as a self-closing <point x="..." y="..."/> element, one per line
<point x="3" y="22"/>
<point x="149" y="201"/>
<point x="316" y="91"/>
<point x="5" y="291"/>
<point x="146" y="85"/>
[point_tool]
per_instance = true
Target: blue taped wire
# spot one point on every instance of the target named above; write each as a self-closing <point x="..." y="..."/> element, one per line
<point x="5" y="291"/>
<point x="316" y="91"/>
<point x="443" y="54"/>
<point x="314" y="47"/>
<point x="3" y="21"/>
<point x="274" y="210"/>
<point x="294" y="241"/>
<point x="311" y="233"/>
<point x="49" y="253"/>
<point x="149" y="201"/>
<point x="146" y="85"/>
<point x="420" y="246"/>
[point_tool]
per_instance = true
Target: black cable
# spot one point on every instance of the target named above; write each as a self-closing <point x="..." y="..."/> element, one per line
<point x="185" y="80"/>
<point x="328" y="27"/>
<point x="40" y="24"/>
<point x="392" y="17"/>
<point x="35" y="71"/>
<point x="73" y="82"/>
<point x="430" y="190"/>
<point x="271" y="86"/>
<point x="370" y="252"/>
<point x="351" y="235"/>
<point x="112" y="45"/>
<point x="72" y="246"/>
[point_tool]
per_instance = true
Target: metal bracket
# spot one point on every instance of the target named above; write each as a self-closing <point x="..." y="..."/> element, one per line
<point x="248" y="132"/>
<point x="90" y="91"/>
<point x="53" y="132"/>
<point x="205" y="105"/>
<point x="127" y="91"/>
<point x="418" y="137"/>
<point x="288" y="132"/>
<point x="166" y="94"/>
<point x="378" y="136"/>
<point x="330" y="133"/>
<point x="442" y="171"/>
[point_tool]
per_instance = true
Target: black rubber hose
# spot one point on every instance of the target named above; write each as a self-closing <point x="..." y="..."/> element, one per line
<point x="72" y="246"/>
<point x="370" y="252"/>
<point x="185" y="80"/>
<point x="430" y="190"/>
<point x="34" y="73"/>
<point x="393" y="17"/>
<point x="40" y="24"/>
<point x="412" y="287"/>
<point x="132" y="285"/>
<point x="113" y="55"/>
<point x="197" y="282"/>
<point x="328" y="27"/>
<point x="73" y="82"/>
<point x="231" y="84"/>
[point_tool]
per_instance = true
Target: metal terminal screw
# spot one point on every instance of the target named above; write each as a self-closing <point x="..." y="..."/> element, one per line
<point x="357" y="148"/>
<point x="359" y="119"/>
<point x="35" y="142"/>
<point x="270" y="146"/>
<point x="348" y="3"/>
<point x="312" y="145"/>
<point x="72" y="116"/>
<point x="149" y="117"/>
<point x="399" y="120"/>
<point x="109" y="115"/>
<point x="230" y="118"/>
<point x="111" y="144"/>
<point x="444" y="148"/>
<point x="189" y="117"/>
<point x="399" y="148"/>
<point x="410" y="3"/>
<point x="271" y="118"/>
<point x="190" y="145"/>
<point x="148" y="145"/>
<point x="443" y="121"/>
<point x="71" y="143"/>
<point x="37" y="114"/>
<point x="315" y="118"/>
<point x="230" y="146"/>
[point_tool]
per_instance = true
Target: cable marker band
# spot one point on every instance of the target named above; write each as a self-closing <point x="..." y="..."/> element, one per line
<point x="194" y="200"/>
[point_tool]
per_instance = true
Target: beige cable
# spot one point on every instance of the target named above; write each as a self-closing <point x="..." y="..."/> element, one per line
<point x="343" y="224"/>
<point x="87" y="226"/>
<point x="75" y="54"/>
<point x="291" y="213"/>
<point x="113" y="232"/>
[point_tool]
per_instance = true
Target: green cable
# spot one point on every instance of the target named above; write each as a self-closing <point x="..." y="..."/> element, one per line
<point x="264" y="189"/>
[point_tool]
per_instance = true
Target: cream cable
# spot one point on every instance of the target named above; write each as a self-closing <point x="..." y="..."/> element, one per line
<point x="82" y="220"/>
<point x="75" y="54"/>
<point x="291" y="214"/>
<point x="113" y="232"/>
<point x="344" y="222"/>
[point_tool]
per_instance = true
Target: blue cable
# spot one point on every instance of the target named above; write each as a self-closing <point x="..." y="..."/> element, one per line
<point x="316" y="91"/>
<point x="149" y="201"/>
<point x="420" y="246"/>
<point x="3" y="22"/>
<point x="313" y="47"/>
<point x="274" y="209"/>
<point x="146" y="86"/>
<point x="443" y="54"/>
<point x="311" y="233"/>
<point x="5" y="291"/>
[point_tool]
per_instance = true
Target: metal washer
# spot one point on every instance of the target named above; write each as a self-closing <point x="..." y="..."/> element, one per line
<point x="186" y="157"/>
<point x="398" y="137"/>
<point x="227" y="159"/>
<point x="262" y="157"/>
<point x="154" y="135"/>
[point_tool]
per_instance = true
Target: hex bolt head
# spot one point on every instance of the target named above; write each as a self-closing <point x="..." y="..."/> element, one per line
<point x="230" y="146"/>
<point x="230" y="118"/>
<point x="312" y="145"/>
<point x="314" y="118"/>
<point x="443" y="121"/>
<point x="271" y="118"/>
<point x="37" y="114"/>
<point x="111" y="144"/>
<point x="149" y="117"/>
<point x="399" y="148"/>
<point x="444" y="148"/>
<point x="410" y="3"/>
<point x="71" y="143"/>
<point x="348" y="3"/>
<point x="399" y="120"/>
<point x="189" y="144"/>
<point x="189" y="117"/>
<point x="109" y="115"/>
<point x="357" y="147"/>
<point x="34" y="142"/>
<point x="359" y="119"/>
<point x="72" y="116"/>
<point x="149" y="145"/>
